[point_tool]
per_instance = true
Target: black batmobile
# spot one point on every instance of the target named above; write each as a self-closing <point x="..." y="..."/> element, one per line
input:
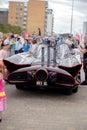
<point x="46" y="67"/>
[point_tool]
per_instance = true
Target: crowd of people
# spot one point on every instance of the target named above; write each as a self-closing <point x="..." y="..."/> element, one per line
<point x="11" y="44"/>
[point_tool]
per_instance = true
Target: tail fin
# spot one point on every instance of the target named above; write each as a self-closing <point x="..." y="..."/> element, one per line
<point x="12" y="66"/>
<point x="74" y="70"/>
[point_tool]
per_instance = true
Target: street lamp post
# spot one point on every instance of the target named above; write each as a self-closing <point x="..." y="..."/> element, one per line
<point x="71" y="17"/>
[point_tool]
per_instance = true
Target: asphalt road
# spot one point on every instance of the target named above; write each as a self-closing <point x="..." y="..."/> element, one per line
<point x="44" y="110"/>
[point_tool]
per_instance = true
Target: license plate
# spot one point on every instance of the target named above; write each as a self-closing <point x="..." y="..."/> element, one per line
<point x="39" y="83"/>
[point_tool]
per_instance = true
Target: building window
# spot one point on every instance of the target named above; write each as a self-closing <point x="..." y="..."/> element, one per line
<point x="24" y="22"/>
<point x="24" y="26"/>
<point x="19" y="9"/>
<point x="18" y="18"/>
<point x="25" y="14"/>
<point x="19" y="14"/>
<point x="25" y="4"/>
<point x="45" y="16"/>
<point x="25" y="18"/>
<point x="19" y="4"/>
<point x="19" y="22"/>
<point x="25" y="8"/>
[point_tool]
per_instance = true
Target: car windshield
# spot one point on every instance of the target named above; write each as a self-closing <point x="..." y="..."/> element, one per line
<point x="61" y="55"/>
<point x="61" y="52"/>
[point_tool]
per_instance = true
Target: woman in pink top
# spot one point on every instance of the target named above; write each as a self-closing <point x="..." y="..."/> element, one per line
<point x="2" y="94"/>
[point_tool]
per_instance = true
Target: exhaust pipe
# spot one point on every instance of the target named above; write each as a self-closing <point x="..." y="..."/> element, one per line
<point x="48" y="56"/>
<point x="42" y="56"/>
<point x="54" y="57"/>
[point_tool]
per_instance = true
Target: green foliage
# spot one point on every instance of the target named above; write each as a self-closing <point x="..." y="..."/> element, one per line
<point x="6" y="28"/>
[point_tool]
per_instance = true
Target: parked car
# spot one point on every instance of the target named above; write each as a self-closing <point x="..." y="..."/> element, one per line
<point x="47" y="67"/>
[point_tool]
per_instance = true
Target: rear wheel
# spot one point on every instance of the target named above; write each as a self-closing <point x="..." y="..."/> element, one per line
<point x="75" y="90"/>
<point x="19" y="86"/>
<point x="68" y="91"/>
<point x="25" y="86"/>
<point x="78" y="78"/>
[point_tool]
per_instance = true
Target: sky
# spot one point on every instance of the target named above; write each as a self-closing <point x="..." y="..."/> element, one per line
<point x="62" y="10"/>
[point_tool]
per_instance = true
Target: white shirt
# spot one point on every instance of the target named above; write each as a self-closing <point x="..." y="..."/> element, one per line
<point x="22" y="40"/>
<point x="6" y="42"/>
<point x="68" y="42"/>
<point x="18" y="45"/>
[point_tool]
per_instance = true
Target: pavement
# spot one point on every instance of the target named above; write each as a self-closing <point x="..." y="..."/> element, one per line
<point x="45" y="110"/>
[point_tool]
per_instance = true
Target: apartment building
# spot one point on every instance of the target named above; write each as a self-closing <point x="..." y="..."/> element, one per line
<point x="16" y="13"/>
<point x="3" y="15"/>
<point x="49" y="22"/>
<point x="29" y="15"/>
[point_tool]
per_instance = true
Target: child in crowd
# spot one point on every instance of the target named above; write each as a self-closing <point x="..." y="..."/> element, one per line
<point x="2" y="94"/>
<point x="26" y="45"/>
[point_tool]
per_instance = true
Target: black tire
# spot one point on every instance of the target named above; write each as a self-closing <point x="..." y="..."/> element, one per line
<point x="25" y="86"/>
<point x="78" y="78"/>
<point x="75" y="90"/>
<point x="68" y="91"/>
<point x="21" y="86"/>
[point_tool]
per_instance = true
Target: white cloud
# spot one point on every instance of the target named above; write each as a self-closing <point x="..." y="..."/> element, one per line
<point x="62" y="14"/>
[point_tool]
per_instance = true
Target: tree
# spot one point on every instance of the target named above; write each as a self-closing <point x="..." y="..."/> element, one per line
<point x="5" y="28"/>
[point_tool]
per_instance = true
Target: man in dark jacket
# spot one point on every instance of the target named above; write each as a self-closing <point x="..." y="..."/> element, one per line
<point x="84" y="51"/>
